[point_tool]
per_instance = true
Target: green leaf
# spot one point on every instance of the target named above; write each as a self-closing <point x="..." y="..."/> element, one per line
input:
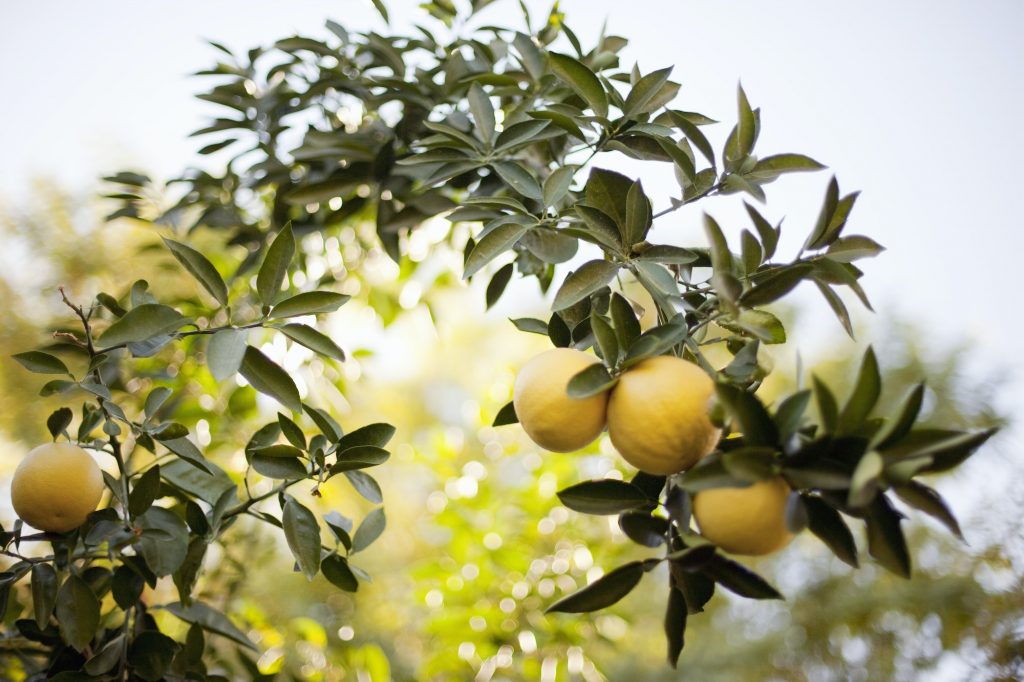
<point x="721" y="257"/>
<point x="500" y="280"/>
<point x="41" y="363"/>
<point x="59" y="420"/>
<point x="44" y="593"/>
<point x="278" y="450"/>
<point x="530" y="55"/>
<point x="643" y="528"/>
<point x="838" y="307"/>
<point x="377" y="435"/>
<point x="601" y="228"/>
<point x="923" y="498"/>
<point x="854" y="247"/>
<point x="896" y="429"/>
<point x="325" y="422"/>
<point x="863" y="397"/>
<point x="590" y="381"/>
<point x="675" y="625"/>
<point x="520" y="178"/>
<point x="141" y="323"/>
<point x="268" y="378"/>
<point x="106" y="658"/>
<point x="694" y="135"/>
<point x="78" y="612"/>
<point x="751" y="463"/>
<point x="776" y="285"/>
<point x="557" y="184"/>
<point x="581" y="79"/>
<point x="772" y="167"/>
<point x="360" y="457"/>
<point x="603" y="592"/>
<point x="603" y="497"/>
<point x="225" y="351"/>
<point x="607" y="191"/>
<point x="210" y="620"/>
<point x="365" y="485"/>
<point x="506" y="415"/>
<point x="336" y="569"/>
<point x="313" y="340"/>
<point x="155" y="400"/>
<point x="382" y="10"/>
<point x="753" y="255"/>
<point x="302" y="532"/>
<point x="369" y="530"/>
<point x="769" y="235"/>
<point x="885" y="537"/>
<point x="741" y="142"/>
<point x="483" y="112"/>
<point x="866" y="480"/>
<point x="164" y="541"/>
<point x="679" y="157"/>
<point x="520" y="134"/>
<point x="607" y="341"/>
<point x="275" y="266"/>
<point x="144" y="491"/>
<point x="627" y="326"/>
<point x="789" y="415"/>
<point x="187" y="451"/>
<point x="281" y="468"/>
<point x="645" y="90"/>
<point x="754" y="421"/>
<point x="638" y="215"/>
<point x="492" y="245"/>
<point x="309" y="303"/>
<point x="656" y="341"/>
<point x="201" y="268"/>
<point x="151" y="654"/>
<point x="590" y="277"/>
<point x="826" y="523"/>
<point x="737" y="578"/>
<point x="551" y="246"/>
<point x="763" y="325"/>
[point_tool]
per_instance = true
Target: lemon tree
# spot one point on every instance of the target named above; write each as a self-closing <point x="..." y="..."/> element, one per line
<point x="514" y="137"/>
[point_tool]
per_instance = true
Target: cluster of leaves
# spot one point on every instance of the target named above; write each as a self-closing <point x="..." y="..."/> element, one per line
<point x="842" y="467"/>
<point x="497" y="130"/>
<point x="166" y="508"/>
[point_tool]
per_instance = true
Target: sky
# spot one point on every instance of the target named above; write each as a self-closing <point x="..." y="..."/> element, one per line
<point x="916" y="104"/>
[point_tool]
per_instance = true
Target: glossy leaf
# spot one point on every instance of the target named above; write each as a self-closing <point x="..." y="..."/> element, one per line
<point x="141" y="323"/>
<point x="603" y="497"/>
<point x="309" y="303"/>
<point x="41" y="363"/>
<point x="302" y="532"/>
<point x="313" y="340"/>
<point x="603" y="592"/>
<point x="274" y="269"/>
<point x="268" y="378"/>
<point x="200" y="268"/>
<point x="590" y="277"/>
<point x="581" y="79"/>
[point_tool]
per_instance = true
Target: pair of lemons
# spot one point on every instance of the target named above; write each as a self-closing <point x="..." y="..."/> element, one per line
<point x="657" y="419"/>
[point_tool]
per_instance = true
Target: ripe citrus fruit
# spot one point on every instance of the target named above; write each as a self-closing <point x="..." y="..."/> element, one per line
<point x="56" y="486"/>
<point x="550" y="417"/>
<point x="658" y="415"/>
<point x="749" y="521"/>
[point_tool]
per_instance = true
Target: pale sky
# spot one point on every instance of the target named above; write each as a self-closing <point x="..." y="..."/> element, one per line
<point x="915" y="103"/>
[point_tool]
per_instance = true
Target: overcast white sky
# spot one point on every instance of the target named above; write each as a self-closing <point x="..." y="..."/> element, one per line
<point x="916" y="103"/>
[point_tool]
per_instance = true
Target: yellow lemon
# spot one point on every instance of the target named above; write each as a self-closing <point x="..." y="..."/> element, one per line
<point x="749" y="521"/>
<point x="658" y="415"/>
<point x="551" y="418"/>
<point x="56" y="486"/>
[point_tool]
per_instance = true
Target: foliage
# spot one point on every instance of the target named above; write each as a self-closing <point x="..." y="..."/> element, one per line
<point x="500" y="131"/>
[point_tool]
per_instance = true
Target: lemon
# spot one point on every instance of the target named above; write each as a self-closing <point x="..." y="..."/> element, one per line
<point x="56" y="486"/>
<point x="551" y="418"/>
<point x="749" y="521"/>
<point x="658" y="415"/>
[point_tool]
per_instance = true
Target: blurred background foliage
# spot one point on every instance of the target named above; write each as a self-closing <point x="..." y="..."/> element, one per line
<point x="477" y="544"/>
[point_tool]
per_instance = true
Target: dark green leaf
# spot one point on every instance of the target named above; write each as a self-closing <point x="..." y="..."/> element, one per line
<point x="852" y="248"/>
<point x="496" y="287"/>
<point x="313" y="340"/>
<point x="904" y="419"/>
<point x="863" y="397"/>
<point x="826" y="523"/>
<point x="923" y="498"/>
<point x="303" y="535"/>
<point x="309" y="303"/>
<point x="506" y="415"/>
<point x="275" y="266"/>
<point x="885" y="537"/>
<point x="41" y="363"/>
<point x="581" y="79"/>
<point x="164" y="541"/>
<point x="644" y="529"/>
<point x="151" y="654"/>
<point x="675" y="625"/>
<point x="603" y="592"/>
<point x="201" y="268"/>
<point x="771" y="167"/>
<point x="210" y="620"/>
<point x="78" y="612"/>
<point x="44" y="593"/>
<point x="776" y="285"/>
<point x="338" y="573"/>
<point x="638" y="215"/>
<point x="376" y="435"/>
<point x="755" y="422"/>
<point x="557" y="185"/>
<point x="57" y="422"/>
<point x="144" y="491"/>
<point x="645" y="90"/>
<point x="838" y="307"/>
<point x="141" y="323"/>
<point x="483" y="112"/>
<point x="627" y="327"/>
<point x="365" y="485"/>
<point x="603" y="497"/>
<point x="520" y="178"/>
<point x="590" y="381"/>
<point x="268" y="378"/>
<point x="493" y="244"/>
<point x="590" y="277"/>
<point x="737" y="578"/>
